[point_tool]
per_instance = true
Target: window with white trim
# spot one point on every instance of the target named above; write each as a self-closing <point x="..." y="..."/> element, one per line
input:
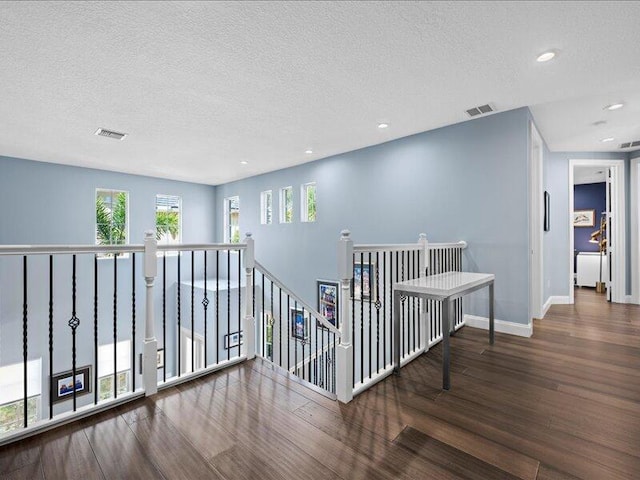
<point x="286" y="205"/>
<point x="106" y="369"/>
<point x="12" y="395"/>
<point x="112" y="217"/>
<point x="266" y="207"/>
<point x="232" y="219"/>
<point x="168" y="219"/>
<point x="308" y="200"/>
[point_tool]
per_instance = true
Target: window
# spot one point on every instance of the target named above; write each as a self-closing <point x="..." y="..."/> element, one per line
<point x="105" y="369"/>
<point x="232" y="220"/>
<point x="266" y="208"/>
<point x="112" y="227"/>
<point x="308" y="197"/>
<point x="286" y="205"/>
<point x="12" y="395"/>
<point x="168" y="219"/>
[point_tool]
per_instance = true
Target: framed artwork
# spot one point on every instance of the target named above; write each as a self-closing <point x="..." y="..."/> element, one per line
<point x="233" y="339"/>
<point x="364" y="281"/>
<point x="547" y="212"/>
<point x="584" y="218"/>
<point x="328" y="301"/>
<point x="63" y="385"/>
<point x="299" y="323"/>
<point x="160" y="358"/>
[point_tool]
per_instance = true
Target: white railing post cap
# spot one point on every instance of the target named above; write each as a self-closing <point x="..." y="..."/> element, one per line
<point x="149" y="234"/>
<point x="345" y="233"/>
<point x="248" y="234"/>
<point x="423" y="236"/>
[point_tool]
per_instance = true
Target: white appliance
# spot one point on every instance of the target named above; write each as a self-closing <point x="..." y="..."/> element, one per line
<point x="588" y="269"/>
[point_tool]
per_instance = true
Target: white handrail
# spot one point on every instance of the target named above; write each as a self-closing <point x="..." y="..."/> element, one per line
<point x="67" y="249"/>
<point x="461" y="244"/>
<point x="201" y="246"/>
<point x="387" y="248"/>
<point x="312" y="311"/>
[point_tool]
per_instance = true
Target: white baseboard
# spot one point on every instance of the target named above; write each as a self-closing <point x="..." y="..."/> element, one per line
<point x="629" y="299"/>
<point x="555" y="300"/>
<point x="501" y="326"/>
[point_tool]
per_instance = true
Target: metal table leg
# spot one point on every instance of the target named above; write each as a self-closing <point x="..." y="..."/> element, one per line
<point x="396" y="332"/>
<point x="491" y="320"/>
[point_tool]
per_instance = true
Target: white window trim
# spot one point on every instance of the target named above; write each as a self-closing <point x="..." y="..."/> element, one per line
<point x="226" y="219"/>
<point x="283" y="204"/>
<point x="95" y="223"/>
<point x="304" y="207"/>
<point x="170" y="253"/>
<point x="263" y="207"/>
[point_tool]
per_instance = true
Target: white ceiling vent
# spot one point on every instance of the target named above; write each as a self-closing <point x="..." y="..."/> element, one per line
<point x="481" y="110"/>
<point x="103" y="132"/>
<point x="635" y="143"/>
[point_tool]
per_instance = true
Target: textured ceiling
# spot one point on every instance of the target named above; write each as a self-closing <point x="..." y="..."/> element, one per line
<point x="200" y="87"/>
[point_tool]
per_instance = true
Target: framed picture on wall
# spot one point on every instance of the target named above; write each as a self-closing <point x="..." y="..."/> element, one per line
<point x="584" y="218"/>
<point x="63" y="385"/>
<point x="233" y="340"/>
<point x="299" y="323"/>
<point x="328" y="301"/>
<point x="364" y="281"/>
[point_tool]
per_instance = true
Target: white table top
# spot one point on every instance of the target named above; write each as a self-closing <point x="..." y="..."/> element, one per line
<point x="445" y="284"/>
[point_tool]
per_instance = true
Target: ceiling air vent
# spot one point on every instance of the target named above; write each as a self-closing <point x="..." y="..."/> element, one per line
<point x="635" y="143"/>
<point x="481" y="110"/>
<point x="103" y="132"/>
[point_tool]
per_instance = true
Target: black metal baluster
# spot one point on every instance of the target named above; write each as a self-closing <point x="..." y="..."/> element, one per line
<point x="179" y="286"/>
<point x="362" y="317"/>
<point x="384" y="309"/>
<point x="133" y="321"/>
<point x="217" y="306"/>
<point x="51" y="331"/>
<point x="353" y="316"/>
<point x="193" y="333"/>
<point x="115" y="330"/>
<point x="295" y="353"/>
<point x="205" y="304"/>
<point x="289" y="328"/>
<point x="95" y="330"/>
<point x="25" y="339"/>
<point x="413" y="301"/>
<point x="164" y="313"/>
<point x="239" y="302"/>
<point x="371" y="286"/>
<point x="378" y="306"/>
<point x="229" y="303"/>
<point x="280" y="362"/>
<point x="73" y="323"/>
<point x="273" y="319"/>
<point x="263" y="322"/>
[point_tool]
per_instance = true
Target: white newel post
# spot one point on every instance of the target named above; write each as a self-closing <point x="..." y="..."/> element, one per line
<point x="423" y="265"/>
<point x="150" y="352"/>
<point x="249" y="324"/>
<point x="344" y="355"/>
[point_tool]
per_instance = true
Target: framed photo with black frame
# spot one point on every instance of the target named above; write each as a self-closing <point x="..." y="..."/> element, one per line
<point x="62" y="385"/>
<point x="364" y="281"/>
<point x="299" y="320"/>
<point x="328" y="301"/>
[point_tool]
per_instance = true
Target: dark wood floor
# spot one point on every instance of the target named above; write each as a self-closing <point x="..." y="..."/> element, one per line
<point x="563" y="404"/>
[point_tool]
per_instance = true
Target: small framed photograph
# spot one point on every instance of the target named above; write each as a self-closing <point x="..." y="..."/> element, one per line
<point x="299" y="323"/>
<point x="63" y="385"/>
<point x="584" y="218"/>
<point x="233" y="340"/>
<point x="328" y="301"/>
<point x="363" y="285"/>
<point x="160" y="358"/>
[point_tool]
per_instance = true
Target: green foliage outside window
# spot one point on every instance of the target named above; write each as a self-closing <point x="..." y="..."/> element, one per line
<point x="167" y="223"/>
<point x="111" y="218"/>
<point x="12" y="414"/>
<point x="311" y="203"/>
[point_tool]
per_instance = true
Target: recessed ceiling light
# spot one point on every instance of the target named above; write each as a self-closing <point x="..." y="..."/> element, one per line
<point x="608" y="139"/>
<point x="308" y="152"/>
<point x="598" y="123"/>
<point x="614" y="106"/>
<point x="383" y="125"/>
<point x="546" y="56"/>
<point x="243" y="162"/>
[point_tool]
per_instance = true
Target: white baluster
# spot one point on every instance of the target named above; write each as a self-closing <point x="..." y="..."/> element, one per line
<point x="249" y="324"/>
<point x="344" y="355"/>
<point x="150" y="351"/>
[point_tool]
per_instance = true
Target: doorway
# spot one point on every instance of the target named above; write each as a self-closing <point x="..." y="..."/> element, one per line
<point x="602" y="223"/>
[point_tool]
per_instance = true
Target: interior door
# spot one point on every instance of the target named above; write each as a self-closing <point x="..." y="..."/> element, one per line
<point x="610" y="246"/>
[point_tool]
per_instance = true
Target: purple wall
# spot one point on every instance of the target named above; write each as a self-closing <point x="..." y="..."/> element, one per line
<point x="590" y="196"/>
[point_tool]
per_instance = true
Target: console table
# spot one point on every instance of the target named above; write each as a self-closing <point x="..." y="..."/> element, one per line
<point x="443" y="287"/>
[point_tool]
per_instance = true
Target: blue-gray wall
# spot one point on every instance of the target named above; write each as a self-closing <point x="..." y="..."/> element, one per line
<point x="463" y="182"/>
<point x="556" y="241"/>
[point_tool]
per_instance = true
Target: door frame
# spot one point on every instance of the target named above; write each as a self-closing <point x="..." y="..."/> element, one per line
<point x="617" y="233"/>
<point x="536" y="227"/>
